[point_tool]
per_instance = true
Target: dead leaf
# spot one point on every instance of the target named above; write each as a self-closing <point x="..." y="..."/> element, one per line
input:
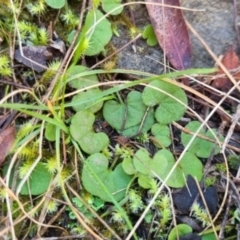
<point x="231" y="61"/>
<point x="171" y="31"/>
<point x="7" y="138"/>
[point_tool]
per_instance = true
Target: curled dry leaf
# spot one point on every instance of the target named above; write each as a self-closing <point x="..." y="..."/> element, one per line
<point x="231" y="61"/>
<point x="7" y="138"/>
<point x="171" y="31"/>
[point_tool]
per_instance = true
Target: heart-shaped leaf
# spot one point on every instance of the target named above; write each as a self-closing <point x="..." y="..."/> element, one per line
<point x="81" y="129"/>
<point x="162" y="163"/>
<point x="127" y="118"/>
<point x="162" y="135"/>
<point x="97" y="178"/>
<point x="170" y="99"/>
<point x="202" y="148"/>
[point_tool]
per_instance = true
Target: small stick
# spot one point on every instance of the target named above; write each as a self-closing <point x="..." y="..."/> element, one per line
<point x="231" y="129"/>
<point x="225" y="218"/>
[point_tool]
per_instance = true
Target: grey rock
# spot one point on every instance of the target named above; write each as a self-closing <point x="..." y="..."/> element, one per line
<point x="215" y="25"/>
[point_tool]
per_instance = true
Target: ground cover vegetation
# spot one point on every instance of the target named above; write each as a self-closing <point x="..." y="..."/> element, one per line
<point x="90" y="151"/>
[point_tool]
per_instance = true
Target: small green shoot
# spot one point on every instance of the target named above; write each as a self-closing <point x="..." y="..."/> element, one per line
<point x="5" y="69"/>
<point x="148" y="33"/>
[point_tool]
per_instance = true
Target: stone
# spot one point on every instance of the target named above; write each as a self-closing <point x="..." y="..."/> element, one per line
<point x="215" y="24"/>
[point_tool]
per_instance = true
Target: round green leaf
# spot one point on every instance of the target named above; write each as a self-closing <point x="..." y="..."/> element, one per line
<point x="109" y="5"/>
<point x="178" y="231"/>
<point x="80" y="82"/>
<point x="97" y="178"/>
<point x="127" y="118"/>
<point x="38" y="181"/>
<point x="57" y="4"/>
<point x="170" y="109"/>
<point x="81" y="129"/>
<point x="202" y="148"/>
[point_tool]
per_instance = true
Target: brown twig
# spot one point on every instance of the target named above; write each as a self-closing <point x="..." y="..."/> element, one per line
<point x="225" y="218"/>
<point x="9" y="82"/>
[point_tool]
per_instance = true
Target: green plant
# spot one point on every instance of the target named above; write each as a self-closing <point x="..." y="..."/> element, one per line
<point x="163" y="205"/>
<point x="70" y="19"/>
<point x="135" y="201"/>
<point x="91" y="40"/>
<point x="131" y="118"/>
<point x="59" y="143"/>
<point x="37" y="8"/>
<point x="5" y="69"/>
<point x="148" y="33"/>
<point x="234" y="161"/>
<point x="200" y="214"/>
<point x="55" y="3"/>
<point x="102" y="182"/>
<point x="81" y="129"/>
<point x="32" y="35"/>
<point x="200" y="147"/>
<point x="162" y="163"/>
<point x="161" y="134"/>
<point x="81" y="83"/>
<point x="171" y="100"/>
<point x="33" y="186"/>
<point x="179" y="230"/>
<point x="110" y="5"/>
